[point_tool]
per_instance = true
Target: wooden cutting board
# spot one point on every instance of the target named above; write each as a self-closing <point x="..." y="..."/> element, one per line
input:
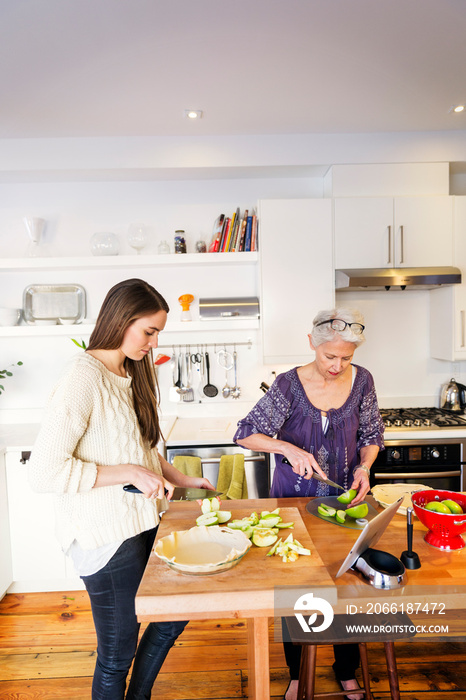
<point x="251" y="583"/>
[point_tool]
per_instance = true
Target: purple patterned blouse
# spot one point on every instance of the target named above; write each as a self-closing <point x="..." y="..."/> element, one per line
<point x="285" y="411"/>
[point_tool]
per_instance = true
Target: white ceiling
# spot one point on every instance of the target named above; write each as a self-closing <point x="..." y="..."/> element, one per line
<point x="75" y="68"/>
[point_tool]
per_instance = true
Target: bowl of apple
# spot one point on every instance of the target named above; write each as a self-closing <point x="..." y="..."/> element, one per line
<point x="443" y="513"/>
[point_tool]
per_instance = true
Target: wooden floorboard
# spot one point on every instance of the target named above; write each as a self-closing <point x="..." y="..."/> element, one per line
<point x="47" y="652"/>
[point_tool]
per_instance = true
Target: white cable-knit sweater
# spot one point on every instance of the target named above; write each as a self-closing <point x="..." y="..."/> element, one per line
<point x="89" y="421"/>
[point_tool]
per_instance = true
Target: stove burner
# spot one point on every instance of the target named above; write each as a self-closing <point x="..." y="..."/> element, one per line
<point x="422" y="418"/>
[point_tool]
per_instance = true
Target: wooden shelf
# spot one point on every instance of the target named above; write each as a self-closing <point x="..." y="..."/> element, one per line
<point x="115" y="261"/>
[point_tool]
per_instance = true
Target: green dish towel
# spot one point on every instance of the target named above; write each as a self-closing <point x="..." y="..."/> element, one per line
<point x="231" y="480"/>
<point x="191" y="466"/>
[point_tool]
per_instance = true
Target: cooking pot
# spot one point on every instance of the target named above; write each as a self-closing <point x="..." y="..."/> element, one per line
<point x="453" y="396"/>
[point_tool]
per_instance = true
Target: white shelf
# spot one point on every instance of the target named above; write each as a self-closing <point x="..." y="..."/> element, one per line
<point x="114" y="261"/>
<point x="83" y="330"/>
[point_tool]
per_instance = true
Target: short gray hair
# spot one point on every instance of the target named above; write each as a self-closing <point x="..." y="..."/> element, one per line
<point x="325" y="334"/>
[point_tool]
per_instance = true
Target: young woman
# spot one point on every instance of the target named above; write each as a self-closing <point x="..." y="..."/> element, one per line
<point x="324" y="417"/>
<point x="100" y="431"/>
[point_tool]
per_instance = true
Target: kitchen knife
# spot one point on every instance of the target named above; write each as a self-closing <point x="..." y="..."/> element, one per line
<point x="181" y="494"/>
<point x="317" y="477"/>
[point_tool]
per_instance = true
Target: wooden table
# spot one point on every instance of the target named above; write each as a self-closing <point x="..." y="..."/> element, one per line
<point x="247" y="590"/>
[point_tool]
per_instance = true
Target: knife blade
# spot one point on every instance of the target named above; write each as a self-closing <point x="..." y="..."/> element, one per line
<point x="180" y="493"/>
<point x="317" y="477"/>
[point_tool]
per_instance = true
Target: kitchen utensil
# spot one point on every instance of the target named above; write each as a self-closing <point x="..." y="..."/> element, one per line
<point x="185" y="300"/>
<point x="49" y="302"/>
<point x="173" y="394"/>
<point x="444" y="529"/>
<point x="179" y="381"/>
<point x="180" y="493"/>
<point x="333" y="502"/>
<point x="409" y="558"/>
<point x="236" y="391"/>
<point x="225" y="359"/>
<point x="161" y="359"/>
<point x="188" y="394"/>
<point x="317" y="477"/>
<point x="209" y="389"/>
<point x="202" y="551"/>
<point x="453" y="396"/>
<point x="226" y="391"/>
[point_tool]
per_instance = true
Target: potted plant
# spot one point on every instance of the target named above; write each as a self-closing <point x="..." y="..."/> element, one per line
<point x="7" y="373"/>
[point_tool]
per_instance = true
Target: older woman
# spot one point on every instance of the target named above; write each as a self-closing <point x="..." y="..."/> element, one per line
<point x="321" y="417"/>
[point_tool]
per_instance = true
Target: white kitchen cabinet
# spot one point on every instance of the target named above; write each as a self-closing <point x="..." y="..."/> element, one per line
<point x="296" y="274"/>
<point x="448" y="304"/>
<point x="393" y="232"/>
<point x="38" y="564"/>
<point x="6" y="572"/>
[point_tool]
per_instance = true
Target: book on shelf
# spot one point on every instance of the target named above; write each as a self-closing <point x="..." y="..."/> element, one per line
<point x="217" y="234"/>
<point x="234" y="234"/>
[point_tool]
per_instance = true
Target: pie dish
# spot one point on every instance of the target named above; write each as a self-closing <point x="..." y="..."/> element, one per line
<point x="202" y="550"/>
<point x="386" y="494"/>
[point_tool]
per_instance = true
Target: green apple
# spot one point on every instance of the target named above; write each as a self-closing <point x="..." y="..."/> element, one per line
<point x="263" y="537"/>
<point x="348" y="496"/>
<point x="438" y="507"/>
<point x="359" y="511"/>
<point x="340" y="516"/>
<point x="326" y="511"/>
<point x="453" y="506"/>
<point x="207" y="519"/>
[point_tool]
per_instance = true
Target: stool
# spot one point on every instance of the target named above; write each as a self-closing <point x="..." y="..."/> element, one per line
<point x="334" y="635"/>
<point x="308" y="667"/>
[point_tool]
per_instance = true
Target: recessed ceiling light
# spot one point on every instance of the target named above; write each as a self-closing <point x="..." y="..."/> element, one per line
<point x="193" y="113"/>
<point x="457" y="108"/>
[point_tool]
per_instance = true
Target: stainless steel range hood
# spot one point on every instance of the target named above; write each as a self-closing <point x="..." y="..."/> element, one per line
<point x="372" y="279"/>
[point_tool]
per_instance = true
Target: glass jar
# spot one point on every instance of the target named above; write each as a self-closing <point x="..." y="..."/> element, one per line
<point x="201" y="247"/>
<point x="163" y="248"/>
<point x="180" y="241"/>
<point x="105" y="244"/>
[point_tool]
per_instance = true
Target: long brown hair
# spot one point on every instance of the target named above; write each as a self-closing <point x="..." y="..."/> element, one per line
<point x="124" y="303"/>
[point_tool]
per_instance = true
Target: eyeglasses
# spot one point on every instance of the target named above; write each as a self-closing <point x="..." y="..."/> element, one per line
<point x="337" y="324"/>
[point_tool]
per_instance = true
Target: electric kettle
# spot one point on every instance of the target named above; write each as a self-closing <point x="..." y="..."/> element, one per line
<point x="453" y="396"/>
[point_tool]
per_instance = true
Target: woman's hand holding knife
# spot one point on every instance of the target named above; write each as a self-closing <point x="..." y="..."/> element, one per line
<point x="302" y="462"/>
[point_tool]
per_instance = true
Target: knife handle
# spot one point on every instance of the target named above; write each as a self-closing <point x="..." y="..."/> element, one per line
<point x="133" y="489"/>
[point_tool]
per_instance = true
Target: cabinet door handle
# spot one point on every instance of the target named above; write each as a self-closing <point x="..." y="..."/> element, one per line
<point x="462" y="318"/>
<point x="389" y="245"/>
<point x="401" y="245"/>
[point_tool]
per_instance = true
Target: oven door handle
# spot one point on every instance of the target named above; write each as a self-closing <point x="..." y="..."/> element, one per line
<point x="415" y="475"/>
<point x="216" y="460"/>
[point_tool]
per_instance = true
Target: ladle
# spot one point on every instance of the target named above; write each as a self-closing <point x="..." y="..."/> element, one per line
<point x="236" y="391"/>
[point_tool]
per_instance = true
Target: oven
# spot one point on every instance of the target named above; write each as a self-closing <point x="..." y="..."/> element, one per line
<point x="256" y="464"/>
<point x="418" y="451"/>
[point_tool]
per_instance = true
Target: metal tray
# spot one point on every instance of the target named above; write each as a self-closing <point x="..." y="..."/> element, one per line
<point x="50" y="302"/>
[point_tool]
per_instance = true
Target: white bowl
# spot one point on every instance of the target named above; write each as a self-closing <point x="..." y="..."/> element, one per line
<point x="45" y="322"/>
<point x="9" y="317"/>
<point x="66" y="321"/>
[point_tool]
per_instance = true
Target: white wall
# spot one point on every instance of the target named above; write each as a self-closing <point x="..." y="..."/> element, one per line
<point x="398" y="323"/>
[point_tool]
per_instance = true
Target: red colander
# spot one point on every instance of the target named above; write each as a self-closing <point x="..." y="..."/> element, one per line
<point x="444" y="530"/>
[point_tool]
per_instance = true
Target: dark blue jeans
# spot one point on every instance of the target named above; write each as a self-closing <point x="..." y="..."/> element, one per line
<point x="112" y="591"/>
